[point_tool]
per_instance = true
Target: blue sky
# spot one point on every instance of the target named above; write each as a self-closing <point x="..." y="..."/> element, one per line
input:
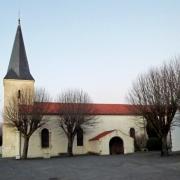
<point x="99" y="46"/>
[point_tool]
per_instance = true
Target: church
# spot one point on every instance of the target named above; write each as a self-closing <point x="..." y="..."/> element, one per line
<point x="114" y="134"/>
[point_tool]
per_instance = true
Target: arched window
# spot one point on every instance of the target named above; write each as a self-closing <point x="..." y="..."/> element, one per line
<point x="45" y="138"/>
<point x="80" y="137"/>
<point x="132" y="133"/>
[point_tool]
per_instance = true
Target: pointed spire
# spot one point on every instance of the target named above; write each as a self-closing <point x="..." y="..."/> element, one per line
<point x="18" y="66"/>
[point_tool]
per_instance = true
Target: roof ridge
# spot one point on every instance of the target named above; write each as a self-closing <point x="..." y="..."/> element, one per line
<point x="94" y="103"/>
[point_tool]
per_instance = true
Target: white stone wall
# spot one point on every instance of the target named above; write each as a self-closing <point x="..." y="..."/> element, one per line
<point x="58" y="140"/>
<point x="11" y="87"/>
<point x="10" y="139"/>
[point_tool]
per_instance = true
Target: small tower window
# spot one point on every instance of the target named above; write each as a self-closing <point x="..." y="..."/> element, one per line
<point x="80" y="137"/>
<point x="19" y="94"/>
<point x="45" y="138"/>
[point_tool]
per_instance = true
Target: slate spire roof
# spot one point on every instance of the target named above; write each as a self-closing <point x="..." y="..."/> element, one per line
<point x="18" y="66"/>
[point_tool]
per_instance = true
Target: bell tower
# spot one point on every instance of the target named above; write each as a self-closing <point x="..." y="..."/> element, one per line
<point x="18" y="77"/>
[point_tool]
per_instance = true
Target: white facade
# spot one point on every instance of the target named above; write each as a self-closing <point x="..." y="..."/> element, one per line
<point x="58" y="141"/>
<point x="10" y="135"/>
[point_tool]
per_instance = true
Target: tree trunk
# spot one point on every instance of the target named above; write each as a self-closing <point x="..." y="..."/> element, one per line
<point x="164" y="149"/>
<point x="70" y="146"/>
<point x="25" y="148"/>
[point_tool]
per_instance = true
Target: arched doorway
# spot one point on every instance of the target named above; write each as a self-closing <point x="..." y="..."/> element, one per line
<point x="116" y="146"/>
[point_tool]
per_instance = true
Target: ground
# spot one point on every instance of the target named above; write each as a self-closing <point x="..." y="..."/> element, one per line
<point x="138" y="166"/>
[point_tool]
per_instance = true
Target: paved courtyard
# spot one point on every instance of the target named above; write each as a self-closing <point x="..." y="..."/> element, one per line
<point x="139" y="166"/>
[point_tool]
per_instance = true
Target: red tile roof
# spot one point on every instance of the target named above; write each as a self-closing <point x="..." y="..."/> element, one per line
<point x="99" y="109"/>
<point x="99" y="136"/>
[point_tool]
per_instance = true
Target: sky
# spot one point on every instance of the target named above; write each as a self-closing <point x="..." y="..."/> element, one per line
<point x="100" y="46"/>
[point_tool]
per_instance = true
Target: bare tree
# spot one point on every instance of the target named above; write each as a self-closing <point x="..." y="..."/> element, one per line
<point x="26" y="114"/>
<point x="156" y="97"/>
<point x="75" y="111"/>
